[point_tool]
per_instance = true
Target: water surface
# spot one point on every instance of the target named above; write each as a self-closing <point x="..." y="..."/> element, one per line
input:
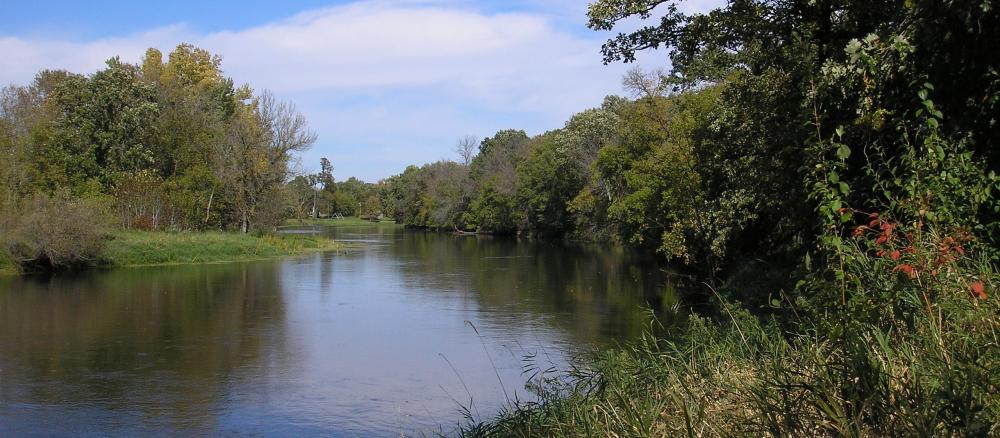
<point x="392" y="338"/>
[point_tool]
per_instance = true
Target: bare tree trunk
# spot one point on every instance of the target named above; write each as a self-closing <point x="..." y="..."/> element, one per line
<point x="208" y="208"/>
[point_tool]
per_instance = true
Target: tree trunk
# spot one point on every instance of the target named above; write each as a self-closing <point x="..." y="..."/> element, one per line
<point x="208" y="209"/>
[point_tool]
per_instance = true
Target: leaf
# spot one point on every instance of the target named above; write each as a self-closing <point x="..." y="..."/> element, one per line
<point x="844" y="188"/>
<point x="835" y="205"/>
<point x="978" y="290"/>
<point x="843" y="152"/>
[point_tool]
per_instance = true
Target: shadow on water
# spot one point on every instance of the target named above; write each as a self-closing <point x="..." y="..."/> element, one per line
<point x="596" y="293"/>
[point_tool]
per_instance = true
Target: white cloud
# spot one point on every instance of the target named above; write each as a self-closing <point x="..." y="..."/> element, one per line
<point x="445" y="57"/>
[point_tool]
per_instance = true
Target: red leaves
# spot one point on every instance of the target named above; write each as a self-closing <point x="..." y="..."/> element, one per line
<point x="978" y="290"/>
<point x="939" y="257"/>
<point x="907" y="269"/>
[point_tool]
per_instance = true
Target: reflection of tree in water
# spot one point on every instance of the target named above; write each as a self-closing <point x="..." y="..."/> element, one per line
<point x="122" y="338"/>
<point x="600" y="292"/>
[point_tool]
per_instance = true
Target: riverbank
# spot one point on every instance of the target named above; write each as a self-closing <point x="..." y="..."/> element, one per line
<point x="7" y="265"/>
<point x="900" y="358"/>
<point x="143" y="248"/>
<point x="343" y="222"/>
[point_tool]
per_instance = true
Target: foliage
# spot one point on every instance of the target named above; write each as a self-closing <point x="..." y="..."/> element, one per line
<point x="174" y="145"/>
<point x="56" y="232"/>
<point x="848" y="149"/>
<point x="433" y="196"/>
<point x="252" y="161"/>
<point x="542" y="198"/>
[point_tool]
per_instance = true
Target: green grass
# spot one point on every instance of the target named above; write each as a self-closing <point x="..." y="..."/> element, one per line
<point x="138" y="248"/>
<point x="879" y="353"/>
<point x="7" y="264"/>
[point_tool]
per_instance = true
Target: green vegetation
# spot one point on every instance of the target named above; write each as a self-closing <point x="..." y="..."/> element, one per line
<point x="137" y="248"/>
<point x="828" y="169"/>
<point x="7" y="264"/>
<point x="161" y="145"/>
<point x="319" y="196"/>
<point x="341" y="222"/>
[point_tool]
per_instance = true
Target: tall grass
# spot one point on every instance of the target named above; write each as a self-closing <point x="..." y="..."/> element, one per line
<point x="878" y="351"/>
<point x="131" y="248"/>
<point x="7" y="264"/>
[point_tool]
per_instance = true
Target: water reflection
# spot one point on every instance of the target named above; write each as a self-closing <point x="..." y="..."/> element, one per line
<point x="387" y="339"/>
<point x="593" y="292"/>
<point x="134" y="349"/>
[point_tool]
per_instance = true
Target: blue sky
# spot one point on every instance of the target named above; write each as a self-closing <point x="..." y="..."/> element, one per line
<point x="383" y="83"/>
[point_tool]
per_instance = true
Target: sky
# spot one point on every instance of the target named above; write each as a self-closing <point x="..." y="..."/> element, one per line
<point x="384" y="84"/>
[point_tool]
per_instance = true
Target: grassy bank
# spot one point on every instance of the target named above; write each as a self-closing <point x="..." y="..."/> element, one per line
<point x="747" y="379"/>
<point x="136" y="248"/>
<point x="7" y="265"/>
<point x="893" y="344"/>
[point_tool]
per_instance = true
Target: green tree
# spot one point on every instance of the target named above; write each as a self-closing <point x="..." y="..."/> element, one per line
<point x="548" y="180"/>
<point x="253" y="160"/>
<point x="104" y="125"/>
<point x="494" y="174"/>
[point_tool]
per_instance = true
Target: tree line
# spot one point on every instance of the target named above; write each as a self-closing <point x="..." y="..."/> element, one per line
<point x="162" y="144"/>
<point x="773" y="119"/>
<point x="828" y="168"/>
<point x="320" y="196"/>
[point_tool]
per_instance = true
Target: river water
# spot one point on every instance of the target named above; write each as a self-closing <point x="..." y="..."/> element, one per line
<point x="396" y="337"/>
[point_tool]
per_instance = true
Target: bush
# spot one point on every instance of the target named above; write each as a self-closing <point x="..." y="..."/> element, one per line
<point x="903" y="343"/>
<point x="57" y="232"/>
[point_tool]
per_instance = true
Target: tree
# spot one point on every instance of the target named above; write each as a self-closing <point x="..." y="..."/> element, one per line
<point x="494" y="173"/>
<point x="325" y="176"/>
<point x="372" y="208"/>
<point x="547" y="181"/>
<point x="196" y="104"/>
<point x="302" y="195"/>
<point x="466" y="149"/>
<point x="253" y="160"/>
<point x="105" y="124"/>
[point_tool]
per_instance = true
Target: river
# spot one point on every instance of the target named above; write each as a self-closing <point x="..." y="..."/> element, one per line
<point x="395" y="337"/>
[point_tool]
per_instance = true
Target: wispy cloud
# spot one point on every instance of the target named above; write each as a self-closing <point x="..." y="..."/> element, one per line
<point x="399" y="79"/>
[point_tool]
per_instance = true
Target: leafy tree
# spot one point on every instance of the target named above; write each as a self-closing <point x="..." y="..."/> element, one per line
<point x="494" y="173"/>
<point x="253" y="160"/>
<point x="548" y="180"/>
<point x="104" y="124"/>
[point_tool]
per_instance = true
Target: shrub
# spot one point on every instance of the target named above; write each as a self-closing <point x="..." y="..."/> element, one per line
<point x="57" y="232"/>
